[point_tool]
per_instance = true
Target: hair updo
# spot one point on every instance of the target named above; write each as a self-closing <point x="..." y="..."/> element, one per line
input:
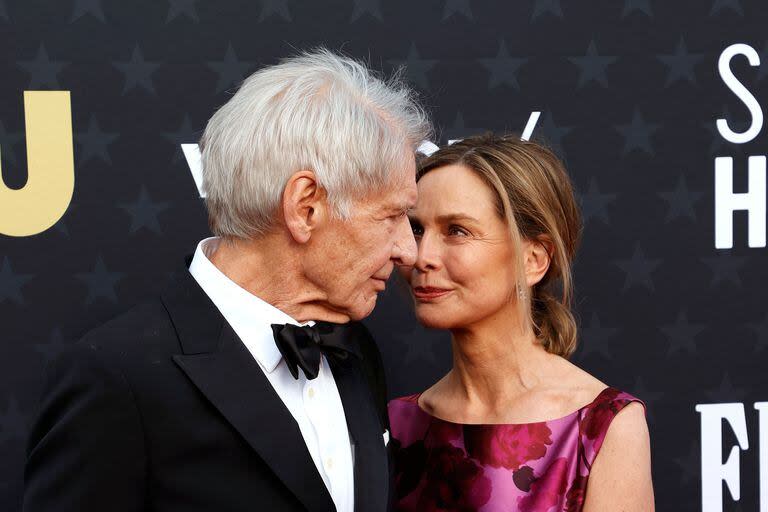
<point x="535" y="197"/>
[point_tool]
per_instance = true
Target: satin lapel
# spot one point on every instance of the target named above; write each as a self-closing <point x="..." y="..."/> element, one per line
<point x="371" y="471"/>
<point x="234" y="383"/>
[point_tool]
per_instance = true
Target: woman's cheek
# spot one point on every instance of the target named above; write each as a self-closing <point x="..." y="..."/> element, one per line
<point x="461" y="263"/>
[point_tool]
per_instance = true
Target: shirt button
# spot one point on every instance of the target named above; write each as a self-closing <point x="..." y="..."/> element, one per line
<point x="311" y="392"/>
<point x="329" y="462"/>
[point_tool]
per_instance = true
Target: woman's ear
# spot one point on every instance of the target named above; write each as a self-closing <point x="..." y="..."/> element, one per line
<point x="537" y="258"/>
<point x="304" y="205"/>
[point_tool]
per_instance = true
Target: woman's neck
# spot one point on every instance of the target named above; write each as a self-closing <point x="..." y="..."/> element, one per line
<point x="494" y="363"/>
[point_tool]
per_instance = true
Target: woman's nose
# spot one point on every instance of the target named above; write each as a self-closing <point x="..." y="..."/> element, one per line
<point x="428" y="253"/>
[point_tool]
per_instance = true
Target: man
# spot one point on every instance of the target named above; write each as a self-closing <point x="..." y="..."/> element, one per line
<point x="211" y="398"/>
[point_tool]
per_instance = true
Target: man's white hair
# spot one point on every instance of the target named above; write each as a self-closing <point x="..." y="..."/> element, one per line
<point x="317" y="111"/>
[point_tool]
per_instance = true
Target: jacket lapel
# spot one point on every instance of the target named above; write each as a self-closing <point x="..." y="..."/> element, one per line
<point x="226" y="373"/>
<point x="370" y="456"/>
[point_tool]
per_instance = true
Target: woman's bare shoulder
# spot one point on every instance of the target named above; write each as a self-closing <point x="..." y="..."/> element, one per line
<point x="580" y="385"/>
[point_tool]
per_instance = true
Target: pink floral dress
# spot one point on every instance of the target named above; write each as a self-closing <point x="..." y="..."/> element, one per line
<point x="531" y="467"/>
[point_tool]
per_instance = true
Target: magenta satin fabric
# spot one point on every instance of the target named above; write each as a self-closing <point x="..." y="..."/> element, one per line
<point x="532" y="467"/>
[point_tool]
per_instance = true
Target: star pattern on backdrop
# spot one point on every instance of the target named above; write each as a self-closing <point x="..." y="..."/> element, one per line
<point x="594" y="203"/>
<point x="596" y="338"/>
<point x="690" y="464"/>
<point x="61" y="225"/>
<point x="182" y="8"/>
<point x="723" y="5"/>
<point x="502" y="68"/>
<point x="13" y="424"/>
<point x="717" y="140"/>
<point x="761" y="333"/>
<point x="725" y="268"/>
<point x="681" y="201"/>
<point x="94" y="143"/>
<point x="231" y="70"/>
<point x="592" y="66"/>
<point x="370" y="7"/>
<point x="638" y="269"/>
<point x="681" y="335"/>
<point x="541" y="7"/>
<point x="762" y="70"/>
<point x="630" y="6"/>
<point x="184" y="135"/>
<point x="416" y="67"/>
<point x="8" y="143"/>
<point x="553" y="133"/>
<point x="100" y="282"/>
<point x="144" y="212"/>
<point x="43" y="71"/>
<point x="138" y="72"/>
<point x="637" y="134"/>
<point x="53" y="347"/>
<point x="11" y="283"/>
<point x="460" y="7"/>
<point x="726" y="392"/>
<point x="276" y="8"/>
<point x="419" y="346"/>
<point x="83" y="7"/>
<point x="650" y="398"/>
<point x="460" y="130"/>
<point x="641" y="157"/>
<point x="680" y="64"/>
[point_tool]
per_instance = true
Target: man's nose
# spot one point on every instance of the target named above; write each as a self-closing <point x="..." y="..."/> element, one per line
<point x="404" y="249"/>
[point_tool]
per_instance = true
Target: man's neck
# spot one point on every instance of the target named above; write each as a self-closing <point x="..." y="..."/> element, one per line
<point x="270" y="269"/>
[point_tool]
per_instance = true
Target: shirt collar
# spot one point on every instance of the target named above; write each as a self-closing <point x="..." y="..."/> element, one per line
<point x="249" y="316"/>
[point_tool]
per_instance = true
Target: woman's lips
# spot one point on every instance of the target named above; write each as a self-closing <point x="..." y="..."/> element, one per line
<point x="428" y="292"/>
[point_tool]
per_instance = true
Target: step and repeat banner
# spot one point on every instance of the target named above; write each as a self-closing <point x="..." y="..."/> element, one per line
<point x="655" y="106"/>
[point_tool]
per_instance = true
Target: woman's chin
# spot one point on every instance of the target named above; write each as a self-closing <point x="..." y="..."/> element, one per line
<point x="434" y="319"/>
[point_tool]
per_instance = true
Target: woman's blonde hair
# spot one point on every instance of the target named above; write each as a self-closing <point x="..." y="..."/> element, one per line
<point x="535" y="197"/>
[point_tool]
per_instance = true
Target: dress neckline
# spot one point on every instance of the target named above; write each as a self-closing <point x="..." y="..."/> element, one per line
<point x="415" y="400"/>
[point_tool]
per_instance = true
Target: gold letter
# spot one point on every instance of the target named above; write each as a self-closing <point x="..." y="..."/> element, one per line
<point x="50" y="163"/>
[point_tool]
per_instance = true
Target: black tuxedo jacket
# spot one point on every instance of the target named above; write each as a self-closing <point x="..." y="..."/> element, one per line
<point x="164" y="408"/>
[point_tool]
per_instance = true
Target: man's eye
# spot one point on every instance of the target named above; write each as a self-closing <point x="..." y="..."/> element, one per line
<point x="417" y="229"/>
<point x="399" y="215"/>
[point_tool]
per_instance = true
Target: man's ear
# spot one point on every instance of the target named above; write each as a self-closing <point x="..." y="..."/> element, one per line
<point x="304" y="205"/>
<point x="538" y="257"/>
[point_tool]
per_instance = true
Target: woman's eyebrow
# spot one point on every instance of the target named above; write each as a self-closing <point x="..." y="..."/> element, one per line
<point x="453" y="217"/>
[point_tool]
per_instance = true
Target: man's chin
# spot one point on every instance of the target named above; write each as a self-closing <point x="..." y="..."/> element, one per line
<point x="363" y="310"/>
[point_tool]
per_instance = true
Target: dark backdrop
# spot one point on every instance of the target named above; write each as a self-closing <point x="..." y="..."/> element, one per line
<point x="628" y="90"/>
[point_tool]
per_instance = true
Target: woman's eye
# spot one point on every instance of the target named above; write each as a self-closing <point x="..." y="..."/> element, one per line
<point x="457" y="231"/>
<point x="417" y="229"/>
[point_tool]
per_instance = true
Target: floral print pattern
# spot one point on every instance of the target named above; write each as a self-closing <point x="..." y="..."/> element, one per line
<point x="442" y="466"/>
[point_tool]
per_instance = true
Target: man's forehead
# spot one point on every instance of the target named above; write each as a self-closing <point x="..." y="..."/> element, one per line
<point x="403" y="190"/>
<point x="406" y="197"/>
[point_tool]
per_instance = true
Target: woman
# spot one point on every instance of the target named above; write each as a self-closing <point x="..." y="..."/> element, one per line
<point x="513" y="426"/>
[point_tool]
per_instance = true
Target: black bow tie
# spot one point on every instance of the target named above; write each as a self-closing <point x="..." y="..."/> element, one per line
<point x="302" y="346"/>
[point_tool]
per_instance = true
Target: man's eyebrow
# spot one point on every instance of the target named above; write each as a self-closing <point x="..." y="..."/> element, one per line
<point x="401" y="208"/>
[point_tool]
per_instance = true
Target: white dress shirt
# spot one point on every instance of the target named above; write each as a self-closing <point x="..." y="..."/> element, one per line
<point x="315" y="404"/>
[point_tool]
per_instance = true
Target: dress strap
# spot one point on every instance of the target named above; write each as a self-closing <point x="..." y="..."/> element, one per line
<point x="595" y="418"/>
